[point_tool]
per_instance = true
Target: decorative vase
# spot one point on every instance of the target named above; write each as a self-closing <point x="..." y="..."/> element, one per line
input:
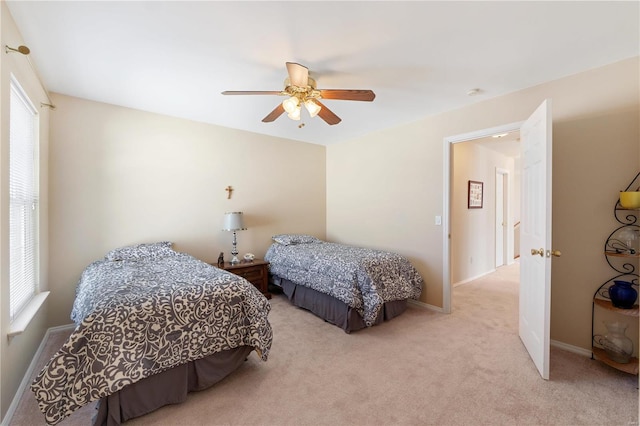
<point x="622" y="294"/>
<point x="617" y="345"/>
<point x="630" y="199"/>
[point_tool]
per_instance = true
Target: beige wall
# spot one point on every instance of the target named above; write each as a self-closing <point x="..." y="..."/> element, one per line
<point x="16" y="353"/>
<point x="120" y="176"/>
<point x="384" y="189"/>
<point x="473" y="245"/>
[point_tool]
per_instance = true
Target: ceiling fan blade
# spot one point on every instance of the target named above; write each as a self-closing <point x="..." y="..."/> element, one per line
<point x="348" y="95"/>
<point x="241" y="92"/>
<point x="327" y="115"/>
<point x="298" y="74"/>
<point x="277" y="112"/>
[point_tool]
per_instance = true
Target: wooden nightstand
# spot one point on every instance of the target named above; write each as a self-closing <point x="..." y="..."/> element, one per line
<point x="256" y="272"/>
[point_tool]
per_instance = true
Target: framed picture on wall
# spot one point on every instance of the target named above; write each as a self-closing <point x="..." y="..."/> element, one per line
<point x="474" y="200"/>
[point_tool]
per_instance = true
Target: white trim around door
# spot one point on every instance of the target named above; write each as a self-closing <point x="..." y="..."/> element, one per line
<point x="446" y="208"/>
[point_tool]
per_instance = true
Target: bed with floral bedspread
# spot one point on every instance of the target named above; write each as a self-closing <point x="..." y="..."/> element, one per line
<point x="363" y="279"/>
<point x="141" y="311"/>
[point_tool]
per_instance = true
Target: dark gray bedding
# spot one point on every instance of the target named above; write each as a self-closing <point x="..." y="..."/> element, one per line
<point x="141" y="311"/>
<point x="364" y="279"/>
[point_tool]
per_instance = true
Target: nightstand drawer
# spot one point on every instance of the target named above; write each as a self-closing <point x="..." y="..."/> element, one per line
<point x="251" y="274"/>
<point x="256" y="272"/>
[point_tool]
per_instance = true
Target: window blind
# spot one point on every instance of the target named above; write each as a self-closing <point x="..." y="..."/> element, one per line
<point x="23" y="200"/>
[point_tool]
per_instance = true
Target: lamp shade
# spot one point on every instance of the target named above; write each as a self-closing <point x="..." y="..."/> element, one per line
<point x="290" y="104"/>
<point x="233" y="221"/>
<point x="295" y="114"/>
<point x="312" y="107"/>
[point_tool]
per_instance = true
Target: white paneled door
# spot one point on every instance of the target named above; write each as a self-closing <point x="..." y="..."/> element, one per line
<point x="500" y="220"/>
<point x="535" y="238"/>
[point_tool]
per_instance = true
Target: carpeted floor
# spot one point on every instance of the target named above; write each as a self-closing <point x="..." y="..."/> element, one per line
<point x="467" y="368"/>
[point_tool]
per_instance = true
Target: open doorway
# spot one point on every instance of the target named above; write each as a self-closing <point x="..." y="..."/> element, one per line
<point x="488" y="158"/>
<point x="535" y="277"/>
<point x="482" y="234"/>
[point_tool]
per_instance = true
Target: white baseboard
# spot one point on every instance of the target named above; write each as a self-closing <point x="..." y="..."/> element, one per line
<point x="425" y="305"/>
<point x="570" y="348"/>
<point x="473" y="278"/>
<point x="32" y="366"/>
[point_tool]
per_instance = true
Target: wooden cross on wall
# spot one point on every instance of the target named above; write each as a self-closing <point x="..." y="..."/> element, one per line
<point x="229" y="190"/>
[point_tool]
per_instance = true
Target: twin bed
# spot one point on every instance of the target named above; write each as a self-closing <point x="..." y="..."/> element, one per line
<point x="350" y="287"/>
<point x="153" y="324"/>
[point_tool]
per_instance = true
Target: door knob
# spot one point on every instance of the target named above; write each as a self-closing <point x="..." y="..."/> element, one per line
<point x="540" y="252"/>
<point x="555" y="253"/>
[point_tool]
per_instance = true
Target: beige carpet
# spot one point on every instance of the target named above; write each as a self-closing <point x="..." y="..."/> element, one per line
<point x="467" y="368"/>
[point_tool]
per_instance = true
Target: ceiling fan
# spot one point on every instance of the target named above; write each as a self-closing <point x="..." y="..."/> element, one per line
<point x="300" y="89"/>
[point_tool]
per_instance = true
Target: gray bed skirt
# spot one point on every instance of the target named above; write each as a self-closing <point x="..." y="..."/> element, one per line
<point x="333" y="310"/>
<point x="168" y="387"/>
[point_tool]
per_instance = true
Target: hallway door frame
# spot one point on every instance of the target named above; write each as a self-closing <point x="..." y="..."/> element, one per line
<point x="504" y="239"/>
<point x="449" y="141"/>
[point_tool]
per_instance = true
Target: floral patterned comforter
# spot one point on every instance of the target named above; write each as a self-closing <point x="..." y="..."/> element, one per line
<point x="362" y="278"/>
<point x="140" y="315"/>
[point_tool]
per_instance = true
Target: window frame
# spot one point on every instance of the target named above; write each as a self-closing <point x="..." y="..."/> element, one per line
<point x="21" y="314"/>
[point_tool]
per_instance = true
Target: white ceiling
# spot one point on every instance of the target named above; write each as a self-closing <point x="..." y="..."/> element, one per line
<point x="506" y="144"/>
<point x="420" y="58"/>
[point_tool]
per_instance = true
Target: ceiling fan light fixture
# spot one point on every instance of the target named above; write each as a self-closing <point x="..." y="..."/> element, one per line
<point x="291" y="104"/>
<point x="312" y="107"/>
<point x="300" y="89"/>
<point x="295" y="114"/>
